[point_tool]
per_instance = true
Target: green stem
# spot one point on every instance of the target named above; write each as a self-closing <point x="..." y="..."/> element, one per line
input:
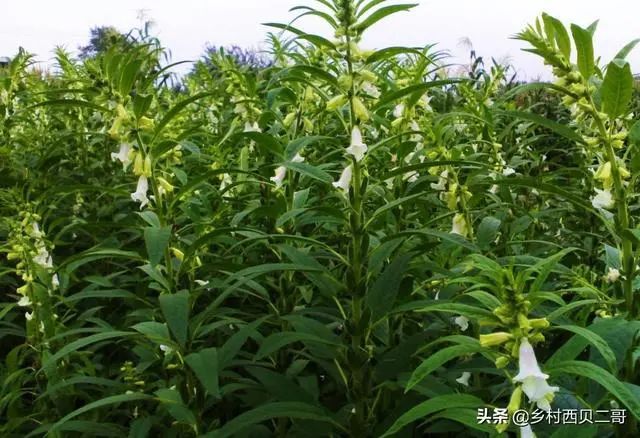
<point x="622" y="220"/>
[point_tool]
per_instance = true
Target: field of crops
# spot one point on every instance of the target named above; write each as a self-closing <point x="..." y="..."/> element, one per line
<point x="323" y="241"/>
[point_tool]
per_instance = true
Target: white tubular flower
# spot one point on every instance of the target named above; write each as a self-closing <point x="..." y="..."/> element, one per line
<point x="122" y="155"/>
<point x="534" y="381"/>
<point x="494" y="189"/>
<point x="297" y="159"/>
<point x="165" y="349"/>
<point x="426" y="102"/>
<point x="345" y="179"/>
<point x="464" y="378"/>
<point x="202" y="282"/>
<point x="459" y="127"/>
<point x="459" y="225"/>
<point x="389" y="183"/>
<point x="55" y="281"/>
<point x="357" y="147"/>
<point x="35" y="230"/>
<point x="43" y="258"/>
<point x="442" y="182"/>
<point x="24" y="301"/>
<point x="226" y="180"/>
<point x="28" y="316"/>
<point x="526" y="432"/>
<point x="603" y="199"/>
<point x="252" y="127"/>
<point x="140" y="195"/>
<point x="398" y="111"/>
<point x="462" y="322"/>
<point x="508" y="171"/>
<point x="370" y="89"/>
<point x="612" y="276"/>
<point x="409" y="157"/>
<point x="415" y="127"/>
<point x="411" y="176"/>
<point x="278" y="178"/>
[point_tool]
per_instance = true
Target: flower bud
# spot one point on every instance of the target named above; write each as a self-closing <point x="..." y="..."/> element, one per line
<point x="539" y="323"/>
<point x="177" y="254"/>
<point x="165" y="185"/>
<point x="523" y="322"/>
<point x="138" y="165"/>
<point x="368" y="76"/>
<point x="288" y="120"/>
<point x="146" y="123"/>
<point x="494" y="339"/>
<point x="147" y="166"/>
<point x="345" y="82"/>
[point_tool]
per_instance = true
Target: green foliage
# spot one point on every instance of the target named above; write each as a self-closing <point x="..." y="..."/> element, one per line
<point x="343" y="242"/>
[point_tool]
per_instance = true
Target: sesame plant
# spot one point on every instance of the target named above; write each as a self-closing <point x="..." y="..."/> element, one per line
<point x="327" y="239"/>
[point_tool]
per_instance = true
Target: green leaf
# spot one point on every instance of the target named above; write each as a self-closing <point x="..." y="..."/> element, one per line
<point x="438" y="359"/>
<point x="391" y="52"/>
<point x="467" y="417"/>
<point x="175" y="111"/>
<point x="83" y="342"/>
<point x="280" y="386"/>
<point x="421" y="411"/>
<point x="204" y="364"/>
<point x="172" y="400"/>
<point x="129" y="75"/>
<point x="140" y="427"/>
<point x="292" y="410"/>
<point x="156" y="275"/>
<point x="175" y="308"/>
<point x="299" y="143"/>
<point x="413" y="89"/>
<point x="155" y="331"/>
<point x="309" y="170"/>
<point x="435" y="306"/>
<point x="584" y="46"/>
<point x="75" y="261"/>
<point x="595" y="340"/>
<point x="265" y="141"/>
<point x="556" y="127"/>
<point x="114" y="399"/>
<point x="314" y="39"/>
<point x="315" y="72"/>
<point x="634" y="134"/>
<point x="278" y="340"/>
<point x="391" y="205"/>
<point x="617" y="88"/>
<point x="612" y="257"/>
<point x="382" y="295"/>
<point x="156" y="239"/>
<point x="381" y="13"/>
<point x="487" y="231"/>
<point x="150" y="217"/>
<point x="586" y="369"/>
<point x="561" y="36"/>
<point x="627" y="49"/>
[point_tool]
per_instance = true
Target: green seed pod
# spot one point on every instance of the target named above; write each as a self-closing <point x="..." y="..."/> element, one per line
<point x="360" y="110"/>
<point x="336" y="102"/>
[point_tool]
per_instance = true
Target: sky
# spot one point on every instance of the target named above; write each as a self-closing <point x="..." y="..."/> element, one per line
<point x="185" y="27"/>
